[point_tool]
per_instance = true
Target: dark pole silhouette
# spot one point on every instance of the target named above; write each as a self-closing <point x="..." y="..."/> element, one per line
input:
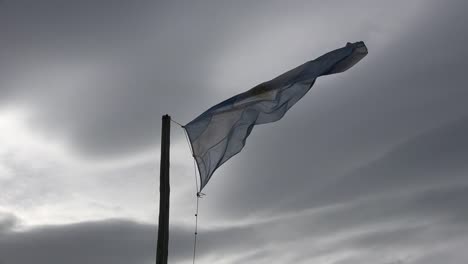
<point x="164" y="190"/>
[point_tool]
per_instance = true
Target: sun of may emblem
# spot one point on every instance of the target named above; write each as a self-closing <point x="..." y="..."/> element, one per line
<point x="259" y="89"/>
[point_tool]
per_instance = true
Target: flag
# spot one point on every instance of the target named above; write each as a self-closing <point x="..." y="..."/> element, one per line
<point x="221" y="131"/>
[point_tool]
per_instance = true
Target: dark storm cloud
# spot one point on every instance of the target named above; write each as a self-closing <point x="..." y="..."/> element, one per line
<point x="111" y="241"/>
<point x="434" y="158"/>
<point x="101" y="73"/>
<point x="104" y="39"/>
<point x="104" y="242"/>
<point x="123" y="241"/>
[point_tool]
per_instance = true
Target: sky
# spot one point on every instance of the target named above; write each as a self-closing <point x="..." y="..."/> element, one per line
<point x="369" y="167"/>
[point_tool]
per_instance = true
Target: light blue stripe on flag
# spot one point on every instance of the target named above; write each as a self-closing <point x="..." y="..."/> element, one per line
<point x="221" y="131"/>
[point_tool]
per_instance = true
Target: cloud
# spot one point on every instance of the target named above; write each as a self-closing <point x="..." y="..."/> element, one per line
<point x="7" y="222"/>
<point x="104" y="242"/>
<point x="368" y="168"/>
<point x="99" y="75"/>
<point x="110" y="241"/>
<point x="432" y="159"/>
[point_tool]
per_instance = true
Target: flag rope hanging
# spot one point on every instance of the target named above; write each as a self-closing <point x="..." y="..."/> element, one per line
<point x="175" y="122"/>
<point x="198" y="194"/>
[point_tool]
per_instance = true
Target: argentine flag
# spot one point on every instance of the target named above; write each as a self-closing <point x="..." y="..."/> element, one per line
<point x="221" y="131"/>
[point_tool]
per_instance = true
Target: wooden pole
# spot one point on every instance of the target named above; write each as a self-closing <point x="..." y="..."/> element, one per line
<point x="164" y="190"/>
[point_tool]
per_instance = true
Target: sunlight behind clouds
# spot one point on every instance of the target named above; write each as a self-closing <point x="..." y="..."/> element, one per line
<point x="18" y="141"/>
<point x="43" y="182"/>
<point x="369" y="168"/>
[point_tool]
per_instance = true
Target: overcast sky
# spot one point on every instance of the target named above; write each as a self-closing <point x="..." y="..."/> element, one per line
<point x="369" y="167"/>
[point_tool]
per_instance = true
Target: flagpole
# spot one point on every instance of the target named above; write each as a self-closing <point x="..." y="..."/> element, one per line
<point x="164" y="190"/>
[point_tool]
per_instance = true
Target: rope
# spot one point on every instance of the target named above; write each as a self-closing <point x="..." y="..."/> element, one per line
<point x="199" y="194"/>
<point x="177" y="123"/>
<point x="196" y="231"/>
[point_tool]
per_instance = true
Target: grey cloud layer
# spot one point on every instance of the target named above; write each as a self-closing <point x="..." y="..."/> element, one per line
<point x="94" y="242"/>
<point x="100" y="74"/>
<point x="404" y="227"/>
<point x="370" y="166"/>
